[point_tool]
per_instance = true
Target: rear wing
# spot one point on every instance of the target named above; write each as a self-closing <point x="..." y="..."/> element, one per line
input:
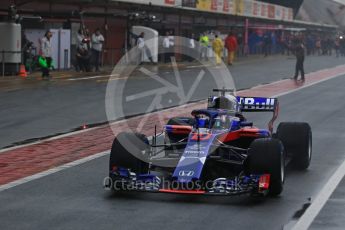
<point x="257" y="104"/>
<point x="260" y="104"/>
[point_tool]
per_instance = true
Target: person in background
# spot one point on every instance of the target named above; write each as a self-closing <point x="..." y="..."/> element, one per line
<point x="337" y="47"/>
<point x="318" y="46"/>
<point x="83" y="55"/>
<point x="217" y="46"/>
<point x="240" y="42"/>
<point x="27" y="46"/>
<point x="274" y="48"/>
<point x="80" y="38"/>
<point x="289" y="45"/>
<point x="309" y="45"/>
<point x="141" y="47"/>
<point x="204" y="41"/>
<point x="342" y="46"/>
<point x="166" y="46"/>
<point x="329" y="46"/>
<point x="231" y="46"/>
<point x="300" y="54"/>
<point x="324" y="46"/>
<point x="192" y="48"/>
<point x="172" y="44"/>
<point x="83" y="59"/>
<point x="267" y="44"/>
<point x="97" y="40"/>
<point x="46" y="53"/>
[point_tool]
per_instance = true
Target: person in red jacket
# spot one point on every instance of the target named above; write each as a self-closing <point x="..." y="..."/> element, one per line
<point x="231" y="45"/>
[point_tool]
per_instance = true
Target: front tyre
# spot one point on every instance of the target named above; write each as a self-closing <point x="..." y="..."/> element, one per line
<point x="129" y="150"/>
<point x="266" y="156"/>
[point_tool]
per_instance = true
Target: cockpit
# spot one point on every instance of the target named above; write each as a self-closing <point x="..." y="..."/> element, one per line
<point x="212" y="119"/>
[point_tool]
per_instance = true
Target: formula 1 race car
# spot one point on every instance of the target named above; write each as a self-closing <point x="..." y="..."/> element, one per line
<point x="216" y="151"/>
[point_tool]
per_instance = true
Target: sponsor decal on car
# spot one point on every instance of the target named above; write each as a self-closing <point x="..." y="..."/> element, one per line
<point x="188" y="173"/>
<point x="257" y="103"/>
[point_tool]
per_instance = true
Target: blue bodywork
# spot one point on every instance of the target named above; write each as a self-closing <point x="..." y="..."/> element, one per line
<point x="192" y="161"/>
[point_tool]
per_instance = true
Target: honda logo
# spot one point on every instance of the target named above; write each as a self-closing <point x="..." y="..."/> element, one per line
<point x="186" y="173"/>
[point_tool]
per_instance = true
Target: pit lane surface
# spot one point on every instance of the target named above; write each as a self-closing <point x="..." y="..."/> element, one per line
<point x="74" y="198"/>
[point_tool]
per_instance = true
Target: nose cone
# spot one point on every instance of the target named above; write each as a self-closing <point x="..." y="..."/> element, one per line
<point x="193" y="159"/>
<point x="189" y="169"/>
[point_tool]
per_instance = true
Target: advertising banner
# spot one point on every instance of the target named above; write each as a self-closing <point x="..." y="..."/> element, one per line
<point x="231" y="6"/>
<point x="248" y="7"/>
<point x="170" y="2"/>
<point x="218" y="5"/>
<point x="256" y="11"/>
<point x="203" y="5"/>
<point x="189" y="3"/>
<point x="290" y="14"/>
<point x="285" y="13"/>
<point x="251" y="8"/>
<point x="239" y="7"/>
<point x="278" y="12"/>
<point x="271" y="11"/>
<point x="226" y="6"/>
<point x="214" y="5"/>
<point x="264" y="10"/>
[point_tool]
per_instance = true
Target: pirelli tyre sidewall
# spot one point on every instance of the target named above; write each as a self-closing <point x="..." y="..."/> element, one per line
<point x="133" y="157"/>
<point x="266" y="155"/>
<point x="297" y="140"/>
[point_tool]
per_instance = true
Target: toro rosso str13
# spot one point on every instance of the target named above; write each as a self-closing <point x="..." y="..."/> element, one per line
<point x="216" y="151"/>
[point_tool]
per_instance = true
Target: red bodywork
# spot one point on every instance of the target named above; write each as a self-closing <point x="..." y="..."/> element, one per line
<point x="243" y="132"/>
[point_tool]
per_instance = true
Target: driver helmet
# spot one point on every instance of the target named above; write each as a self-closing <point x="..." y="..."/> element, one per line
<point x="227" y="102"/>
<point x="203" y="122"/>
<point x="232" y="103"/>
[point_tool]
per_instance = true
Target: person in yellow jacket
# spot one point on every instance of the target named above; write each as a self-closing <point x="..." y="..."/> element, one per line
<point x="218" y="46"/>
<point x="204" y="41"/>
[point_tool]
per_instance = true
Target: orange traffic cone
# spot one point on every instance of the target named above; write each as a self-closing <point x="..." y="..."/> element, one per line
<point x="22" y="71"/>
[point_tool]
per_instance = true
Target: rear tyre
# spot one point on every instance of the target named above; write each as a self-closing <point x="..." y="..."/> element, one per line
<point x="297" y="140"/>
<point x="266" y="155"/>
<point x="129" y="150"/>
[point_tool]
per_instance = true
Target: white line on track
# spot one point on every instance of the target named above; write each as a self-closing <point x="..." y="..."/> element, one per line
<point x="310" y="214"/>
<point x="51" y="171"/>
<point x="92" y="77"/>
<point x="194" y="66"/>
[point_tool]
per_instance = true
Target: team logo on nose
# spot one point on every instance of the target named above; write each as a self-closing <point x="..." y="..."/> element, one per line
<point x="186" y="173"/>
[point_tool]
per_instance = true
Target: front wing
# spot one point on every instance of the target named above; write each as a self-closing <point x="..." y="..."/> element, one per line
<point x="124" y="180"/>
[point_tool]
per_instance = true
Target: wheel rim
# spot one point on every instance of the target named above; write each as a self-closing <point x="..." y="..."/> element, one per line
<point x="282" y="169"/>
<point x="309" y="148"/>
